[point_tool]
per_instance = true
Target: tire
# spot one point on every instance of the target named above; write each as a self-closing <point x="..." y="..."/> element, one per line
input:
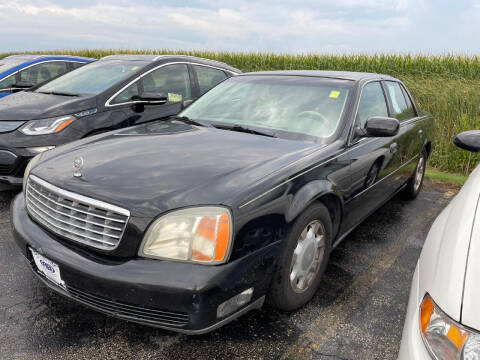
<point x="414" y="184"/>
<point x="286" y="293"/>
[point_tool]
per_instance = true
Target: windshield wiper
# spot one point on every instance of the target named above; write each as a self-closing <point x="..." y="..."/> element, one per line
<point x="244" y="129"/>
<point x="61" y="93"/>
<point x="187" y="120"/>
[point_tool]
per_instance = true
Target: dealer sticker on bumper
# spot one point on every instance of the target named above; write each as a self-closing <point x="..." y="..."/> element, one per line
<point x="48" y="268"/>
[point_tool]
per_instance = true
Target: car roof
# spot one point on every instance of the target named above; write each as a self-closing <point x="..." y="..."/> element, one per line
<point x="154" y="58"/>
<point x="30" y="57"/>
<point x="345" y="75"/>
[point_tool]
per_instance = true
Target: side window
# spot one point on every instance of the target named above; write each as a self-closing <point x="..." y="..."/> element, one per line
<point x="399" y="105"/>
<point x="7" y="82"/>
<point x="372" y="103"/>
<point x="208" y="77"/>
<point x="410" y="108"/>
<point x="42" y="72"/>
<point x="127" y="95"/>
<point x="76" y="65"/>
<point x="172" y="80"/>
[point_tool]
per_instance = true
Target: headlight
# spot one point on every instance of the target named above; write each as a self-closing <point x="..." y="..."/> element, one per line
<point x="444" y="337"/>
<point x="201" y="234"/>
<point x="29" y="167"/>
<point x="47" y="126"/>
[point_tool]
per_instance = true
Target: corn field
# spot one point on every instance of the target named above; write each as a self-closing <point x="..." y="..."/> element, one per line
<point x="447" y="86"/>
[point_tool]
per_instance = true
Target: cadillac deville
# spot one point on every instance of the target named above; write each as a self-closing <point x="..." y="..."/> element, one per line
<point x="188" y="223"/>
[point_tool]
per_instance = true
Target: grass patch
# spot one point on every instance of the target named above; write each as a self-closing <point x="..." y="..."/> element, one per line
<point x="450" y="178"/>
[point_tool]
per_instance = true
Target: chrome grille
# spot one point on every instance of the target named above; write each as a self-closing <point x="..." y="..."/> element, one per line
<point x="75" y="217"/>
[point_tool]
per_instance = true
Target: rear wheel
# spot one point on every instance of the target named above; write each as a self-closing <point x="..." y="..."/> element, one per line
<point x="414" y="184"/>
<point x="303" y="260"/>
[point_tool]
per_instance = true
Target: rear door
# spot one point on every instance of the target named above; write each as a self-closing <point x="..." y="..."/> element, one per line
<point x="173" y="80"/>
<point x="373" y="160"/>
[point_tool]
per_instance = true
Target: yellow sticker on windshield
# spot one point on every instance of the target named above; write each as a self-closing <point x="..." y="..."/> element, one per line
<point x="334" y="94"/>
<point x="135" y="68"/>
<point x="174" y="97"/>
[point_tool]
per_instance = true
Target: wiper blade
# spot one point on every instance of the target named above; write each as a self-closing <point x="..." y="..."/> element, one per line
<point x="248" y="130"/>
<point x="187" y="120"/>
<point x="61" y="93"/>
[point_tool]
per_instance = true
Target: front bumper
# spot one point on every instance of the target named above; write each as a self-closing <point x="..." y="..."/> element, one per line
<point x="412" y="346"/>
<point x="176" y="296"/>
<point x="12" y="165"/>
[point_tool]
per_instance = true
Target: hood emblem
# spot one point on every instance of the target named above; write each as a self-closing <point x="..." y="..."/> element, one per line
<point x="78" y="166"/>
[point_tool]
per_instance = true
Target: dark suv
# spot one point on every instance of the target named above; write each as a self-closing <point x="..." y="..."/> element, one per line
<point x="114" y="92"/>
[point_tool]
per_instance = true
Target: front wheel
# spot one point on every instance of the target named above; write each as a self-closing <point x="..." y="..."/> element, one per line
<point x="414" y="184"/>
<point x="303" y="260"/>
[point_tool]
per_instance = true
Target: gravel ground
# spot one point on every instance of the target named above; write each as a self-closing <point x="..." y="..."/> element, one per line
<point x="358" y="312"/>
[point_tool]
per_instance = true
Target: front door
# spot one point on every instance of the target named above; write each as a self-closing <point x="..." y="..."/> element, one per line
<point x="373" y="161"/>
<point x="172" y="80"/>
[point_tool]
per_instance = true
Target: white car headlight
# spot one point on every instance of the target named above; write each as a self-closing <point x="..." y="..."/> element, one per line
<point x="29" y="167"/>
<point x="444" y="337"/>
<point x="47" y="126"/>
<point x="201" y="234"/>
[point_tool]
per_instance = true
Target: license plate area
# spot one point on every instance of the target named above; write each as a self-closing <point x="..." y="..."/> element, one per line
<point x="48" y="268"/>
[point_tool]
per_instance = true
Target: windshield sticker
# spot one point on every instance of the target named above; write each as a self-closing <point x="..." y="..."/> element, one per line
<point x="174" y="97"/>
<point x="135" y="68"/>
<point x="334" y="94"/>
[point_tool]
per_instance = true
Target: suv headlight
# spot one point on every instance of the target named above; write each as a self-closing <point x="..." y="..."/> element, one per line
<point x="444" y="337"/>
<point x="200" y="234"/>
<point x="29" y="167"/>
<point x="47" y="126"/>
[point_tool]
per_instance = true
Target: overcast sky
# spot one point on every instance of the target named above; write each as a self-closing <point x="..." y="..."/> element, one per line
<point x="308" y="26"/>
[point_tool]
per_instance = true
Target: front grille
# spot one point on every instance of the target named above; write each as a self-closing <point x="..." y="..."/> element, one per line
<point x="131" y="312"/>
<point x="75" y="217"/>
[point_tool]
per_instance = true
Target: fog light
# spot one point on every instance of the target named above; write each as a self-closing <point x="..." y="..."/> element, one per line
<point x="40" y="149"/>
<point x="234" y="303"/>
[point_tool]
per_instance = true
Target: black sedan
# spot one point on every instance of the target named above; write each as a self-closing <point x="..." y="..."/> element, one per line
<point x="114" y="92"/>
<point x="187" y="223"/>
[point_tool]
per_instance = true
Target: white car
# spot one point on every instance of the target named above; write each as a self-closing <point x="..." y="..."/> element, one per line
<point x="443" y="317"/>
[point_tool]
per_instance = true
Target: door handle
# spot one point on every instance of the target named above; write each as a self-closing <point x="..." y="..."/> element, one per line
<point x="420" y="133"/>
<point x="393" y="148"/>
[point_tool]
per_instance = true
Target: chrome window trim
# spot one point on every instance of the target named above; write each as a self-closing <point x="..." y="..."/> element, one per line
<point x="38" y="63"/>
<point x="110" y="99"/>
<point x="83" y="199"/>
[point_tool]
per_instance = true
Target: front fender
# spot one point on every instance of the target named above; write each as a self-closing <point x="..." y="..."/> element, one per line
<point x="308" y="194"/>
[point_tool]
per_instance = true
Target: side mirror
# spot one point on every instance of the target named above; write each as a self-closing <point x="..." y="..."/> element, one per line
<point x="468" y="140"/>
<point x="21" y="85"/>
<point x="152" y="98"/>
<point x="378" y="126"/>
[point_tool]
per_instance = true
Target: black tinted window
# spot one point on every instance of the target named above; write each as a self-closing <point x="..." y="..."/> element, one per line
<point x="410" y="109"/>
<point x="40" y="73"/>
<point x="208" y="77"/>
<point x="172" y="80"/>
<point x="400" y="109"/>
<point x="372" y="103"/>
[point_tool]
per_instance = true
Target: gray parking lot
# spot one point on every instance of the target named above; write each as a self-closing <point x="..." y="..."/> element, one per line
<point x="357" y="313"/>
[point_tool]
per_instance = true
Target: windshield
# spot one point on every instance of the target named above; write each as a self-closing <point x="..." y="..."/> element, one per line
<point x="93" y="78"/>
<point x="6" y="64"/>
<point x="310" y="106"/>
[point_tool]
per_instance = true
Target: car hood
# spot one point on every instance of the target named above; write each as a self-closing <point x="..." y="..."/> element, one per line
<point x="449" y="266"/>
<point x="28" y="105"/>
<point x="161" y="166"/>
